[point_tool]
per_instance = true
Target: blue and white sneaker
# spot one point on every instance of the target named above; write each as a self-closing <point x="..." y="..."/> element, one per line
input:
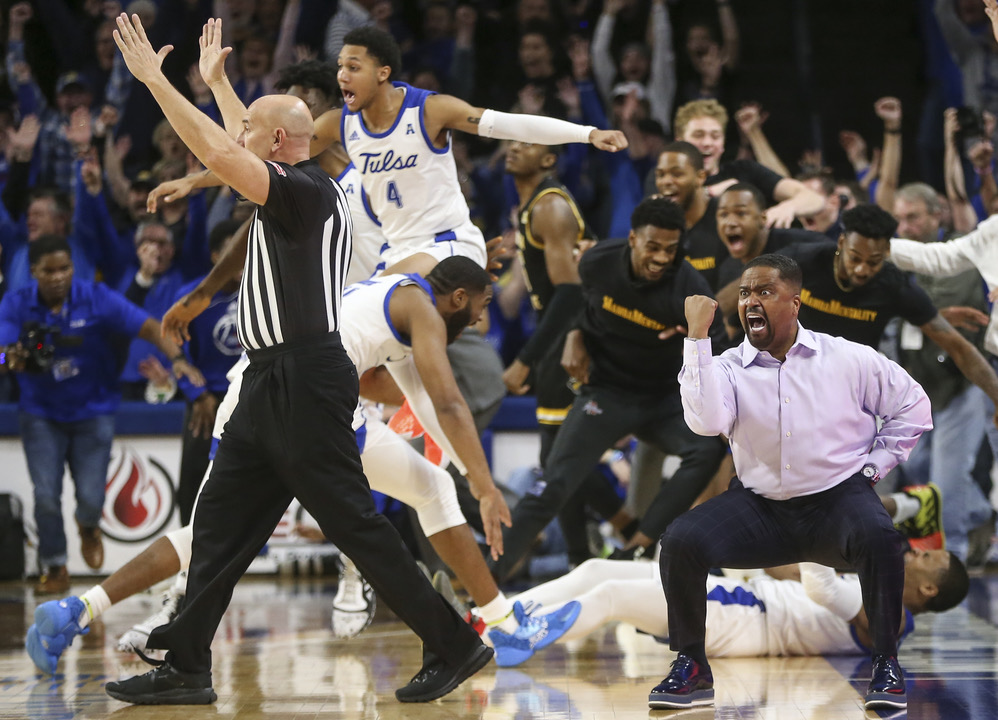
<point x="56" y="624"/>
<point x="534" y="632"/>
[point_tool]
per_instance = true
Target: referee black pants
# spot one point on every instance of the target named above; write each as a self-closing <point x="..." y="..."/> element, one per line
<point x="291" y="436"/>
<point x="599" y="417"/>
<point x="845" y="526"/>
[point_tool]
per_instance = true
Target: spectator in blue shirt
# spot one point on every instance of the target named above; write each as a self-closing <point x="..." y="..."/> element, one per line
<point x="69" y="395"/>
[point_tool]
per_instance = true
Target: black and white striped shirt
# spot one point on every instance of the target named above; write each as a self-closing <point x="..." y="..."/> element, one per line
<point x="297" y="258"/>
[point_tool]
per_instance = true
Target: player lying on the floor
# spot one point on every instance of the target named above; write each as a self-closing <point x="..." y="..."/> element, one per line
<point x="403" y="321"/>
<point x="820" y="614"/>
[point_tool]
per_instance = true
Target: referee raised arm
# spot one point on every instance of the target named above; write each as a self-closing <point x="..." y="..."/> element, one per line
<point x="290" y="435"/>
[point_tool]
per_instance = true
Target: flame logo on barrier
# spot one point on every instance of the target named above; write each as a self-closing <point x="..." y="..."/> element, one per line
<point x="139" y="498"/>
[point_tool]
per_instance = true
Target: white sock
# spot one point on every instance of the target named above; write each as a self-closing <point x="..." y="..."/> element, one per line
<point x="498" y="613"/>
<point x="95" y="602"/>
<point x="907" y="506"/>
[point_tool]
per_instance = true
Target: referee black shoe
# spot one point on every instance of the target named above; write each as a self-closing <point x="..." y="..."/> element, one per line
<point x="164" y="685"/>
<point x="436" y="678"/>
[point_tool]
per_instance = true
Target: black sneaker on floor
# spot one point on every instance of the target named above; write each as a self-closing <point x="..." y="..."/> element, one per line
<point x="436" y="678"/>
<point x="164" y="685"/>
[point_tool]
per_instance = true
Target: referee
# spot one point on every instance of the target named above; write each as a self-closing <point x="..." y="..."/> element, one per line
<point x="290" y="435"/>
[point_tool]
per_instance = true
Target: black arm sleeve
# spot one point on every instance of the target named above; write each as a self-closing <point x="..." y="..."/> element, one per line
<point x="559" y="316"/>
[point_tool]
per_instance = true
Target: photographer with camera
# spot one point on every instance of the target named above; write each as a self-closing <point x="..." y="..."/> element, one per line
<point x="59" y="335"/>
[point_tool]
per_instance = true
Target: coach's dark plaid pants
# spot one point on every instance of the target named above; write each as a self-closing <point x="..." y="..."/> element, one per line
<point x="843" y="527"/>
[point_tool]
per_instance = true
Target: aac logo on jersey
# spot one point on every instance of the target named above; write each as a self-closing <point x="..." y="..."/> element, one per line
<point x="409" y="130"/>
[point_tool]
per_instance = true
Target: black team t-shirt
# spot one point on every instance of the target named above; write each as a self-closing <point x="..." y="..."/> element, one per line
<point x="860" y="314"/>
<point x="703" y="246"/>
<point x="624" y="315"/>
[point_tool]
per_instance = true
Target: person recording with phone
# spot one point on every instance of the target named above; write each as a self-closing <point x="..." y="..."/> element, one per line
<point x="59" y="334"/>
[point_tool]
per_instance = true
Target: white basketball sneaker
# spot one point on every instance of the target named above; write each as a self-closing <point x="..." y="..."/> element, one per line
<point x="135" y="640"/>
<point x="354" y="604"/>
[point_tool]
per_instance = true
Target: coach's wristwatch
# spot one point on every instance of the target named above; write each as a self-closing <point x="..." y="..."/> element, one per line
<point x="871" y="472"/>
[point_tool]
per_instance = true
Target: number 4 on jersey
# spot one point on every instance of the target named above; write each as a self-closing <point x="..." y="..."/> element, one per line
<point x="393" y="194"/>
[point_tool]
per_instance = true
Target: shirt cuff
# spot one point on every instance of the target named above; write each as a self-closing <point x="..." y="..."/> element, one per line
<point x="884" y="460"/>
<point x="697" y="353"/>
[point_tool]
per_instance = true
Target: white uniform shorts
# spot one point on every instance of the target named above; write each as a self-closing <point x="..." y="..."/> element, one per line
<point x="466" y="240"/>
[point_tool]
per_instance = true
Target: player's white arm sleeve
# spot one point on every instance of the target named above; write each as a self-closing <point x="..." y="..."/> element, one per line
<point x="825" y="587"/>
<point x="407" y="378"/>
<point x="532" y="128"/>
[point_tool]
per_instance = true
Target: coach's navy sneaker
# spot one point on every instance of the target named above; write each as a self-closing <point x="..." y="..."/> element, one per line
<point x="534" y="632"/>
<point x="56" y="624"/>
<point x="688" y="683"/>
<point x="164" y="685"/>
<point x="887" y="686"/>
<point x="436" y="678"/>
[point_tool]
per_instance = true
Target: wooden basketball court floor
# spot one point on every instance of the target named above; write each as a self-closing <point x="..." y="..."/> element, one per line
<point x="274" y="658"/>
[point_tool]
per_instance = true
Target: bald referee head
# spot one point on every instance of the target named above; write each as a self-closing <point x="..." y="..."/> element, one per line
<point x="278" y="128"/>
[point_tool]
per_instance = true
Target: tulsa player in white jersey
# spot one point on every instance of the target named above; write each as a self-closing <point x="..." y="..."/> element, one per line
<point x="819" y="614"/>
<point x="399" y="139"/>
<point x="405" y="323"/>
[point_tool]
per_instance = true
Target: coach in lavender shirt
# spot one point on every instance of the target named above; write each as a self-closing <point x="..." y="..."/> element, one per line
<point x="800" y="411"/>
